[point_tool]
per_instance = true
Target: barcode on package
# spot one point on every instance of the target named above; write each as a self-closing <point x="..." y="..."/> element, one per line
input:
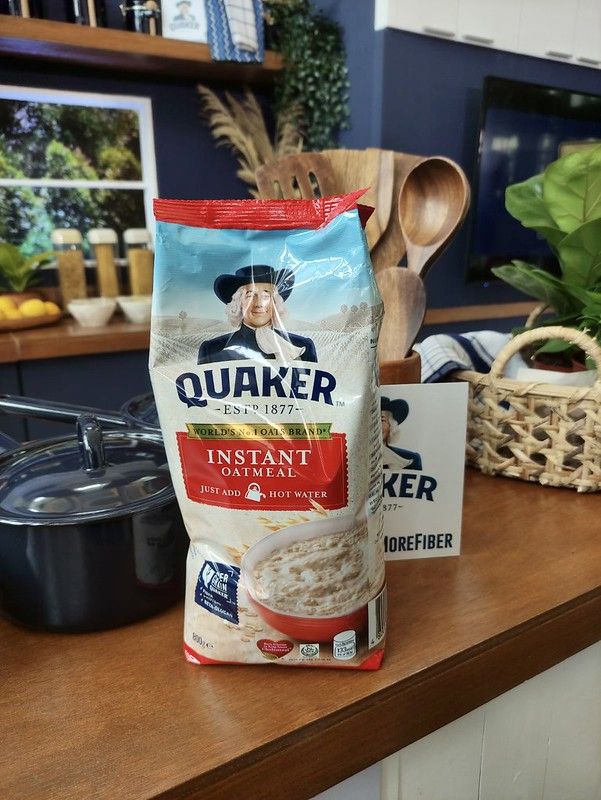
<point x="376" y="615"/>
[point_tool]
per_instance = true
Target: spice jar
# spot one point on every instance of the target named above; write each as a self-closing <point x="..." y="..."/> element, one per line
<point x="140" y="259"/>
<point x="86" y="12"/>
<point x="104" y="243"/>
<point x="21" y="8"/>
<point x="71" y="270"/>
<point x="142" y="16"/>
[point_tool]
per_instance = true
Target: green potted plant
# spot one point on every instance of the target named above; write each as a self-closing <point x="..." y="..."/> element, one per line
<point x="563" y="205"/>
<point x="17" y="275"/>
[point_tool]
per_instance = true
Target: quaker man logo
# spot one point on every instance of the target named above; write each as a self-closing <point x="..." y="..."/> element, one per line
<point x="392" y="415"/>
<point x="254" y="299"/>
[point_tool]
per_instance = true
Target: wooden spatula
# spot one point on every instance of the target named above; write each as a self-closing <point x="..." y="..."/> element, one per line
<point x="301" y="176"/>
<point x="404" y="298"/>
<point x="371" y="169"/>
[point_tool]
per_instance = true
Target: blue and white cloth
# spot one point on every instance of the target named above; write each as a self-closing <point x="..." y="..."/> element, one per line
<point x="445" y="353"/>
<point x="235" y="30"/>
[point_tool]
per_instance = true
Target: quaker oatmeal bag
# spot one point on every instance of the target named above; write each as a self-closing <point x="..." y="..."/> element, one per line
<point x="265" y="323"/>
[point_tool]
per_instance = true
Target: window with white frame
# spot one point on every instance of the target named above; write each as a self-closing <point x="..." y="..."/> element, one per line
<point x="73" y="160"/>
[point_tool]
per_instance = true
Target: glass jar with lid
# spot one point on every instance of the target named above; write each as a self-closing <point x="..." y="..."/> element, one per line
<point x="140" y="259"/>
<point x="142" y="16"/>
<point x="22" y="8"/>
<point x="104" y="244"/>
<point x="86" y="12"/>
<point x="67" y="243"/>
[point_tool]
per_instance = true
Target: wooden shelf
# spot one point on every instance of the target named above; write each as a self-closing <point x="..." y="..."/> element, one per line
<point x="109" y="49"/>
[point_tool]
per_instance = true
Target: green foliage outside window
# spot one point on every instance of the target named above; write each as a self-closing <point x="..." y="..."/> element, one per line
<point x="56" y="141"/>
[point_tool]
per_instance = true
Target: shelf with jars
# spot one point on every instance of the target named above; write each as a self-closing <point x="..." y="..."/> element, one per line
<point x="125" y="51"/>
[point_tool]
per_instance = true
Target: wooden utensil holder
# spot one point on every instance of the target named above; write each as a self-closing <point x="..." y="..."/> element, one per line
<point x="407" y="370"/>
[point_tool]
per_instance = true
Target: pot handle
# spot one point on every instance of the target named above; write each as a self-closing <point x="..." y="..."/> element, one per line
<point x="61" y="412"/>
<point x="91" y="444"/>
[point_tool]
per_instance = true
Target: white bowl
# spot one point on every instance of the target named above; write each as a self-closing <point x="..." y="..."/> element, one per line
<point x="136" y="307"/>
<point x="92" y="312"/>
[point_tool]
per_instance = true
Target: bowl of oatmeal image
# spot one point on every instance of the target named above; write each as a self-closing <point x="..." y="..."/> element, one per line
<point x="311" y="581"/>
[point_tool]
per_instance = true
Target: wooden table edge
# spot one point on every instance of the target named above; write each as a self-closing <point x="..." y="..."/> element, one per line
<point x="66" y="338"/>
<point x="378" y="725"/>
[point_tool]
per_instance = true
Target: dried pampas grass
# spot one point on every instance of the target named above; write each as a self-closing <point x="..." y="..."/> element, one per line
<point x="240" y="125"/>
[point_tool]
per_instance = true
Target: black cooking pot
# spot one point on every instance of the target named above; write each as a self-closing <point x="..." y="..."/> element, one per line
<point x="91" y="536"/>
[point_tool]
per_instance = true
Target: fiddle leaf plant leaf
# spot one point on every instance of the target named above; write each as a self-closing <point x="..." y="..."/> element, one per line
<point x="580" y="255"/>
<point x="524" y="201"/>
<point x="538" y="284"/>
<point x="572" y="189"/>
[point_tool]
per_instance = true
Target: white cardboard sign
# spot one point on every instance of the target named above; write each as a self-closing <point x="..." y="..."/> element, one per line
<point x="424" y="430"/>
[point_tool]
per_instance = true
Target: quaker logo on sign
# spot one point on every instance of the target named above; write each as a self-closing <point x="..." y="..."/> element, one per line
<point x="422" y="435"/>
<point x="396" y="458"/>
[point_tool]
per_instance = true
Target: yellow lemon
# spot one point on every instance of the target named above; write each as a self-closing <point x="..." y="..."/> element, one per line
<point x="32" y="308"/>
<point x="2" y="315"/>
<point x="6" y="302"/>
<point x="51" y="308"/>
<point x="12" y="313"/>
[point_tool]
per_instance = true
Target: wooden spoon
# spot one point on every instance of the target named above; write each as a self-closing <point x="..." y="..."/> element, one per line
<point x="391" y="247"/>
<point x="433" y="202"/>
<point x="404" y="298"/>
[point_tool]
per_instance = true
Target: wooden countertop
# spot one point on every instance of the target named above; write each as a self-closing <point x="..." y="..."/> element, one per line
<point x="67" y="338"/>
<point x="120" y="714"/>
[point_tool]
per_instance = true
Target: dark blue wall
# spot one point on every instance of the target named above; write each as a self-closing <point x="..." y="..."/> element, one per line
<point x="364" y="49"/>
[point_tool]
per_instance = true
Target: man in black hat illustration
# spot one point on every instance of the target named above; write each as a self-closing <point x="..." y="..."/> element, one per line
<point x="392" y="414"/>
<point x="184" y="15"/>
<point x="254" y="298"/>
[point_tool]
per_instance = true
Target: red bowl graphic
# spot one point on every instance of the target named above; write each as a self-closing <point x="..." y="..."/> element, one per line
<point x="311" y="629"/>
<point x="301" y="628"/>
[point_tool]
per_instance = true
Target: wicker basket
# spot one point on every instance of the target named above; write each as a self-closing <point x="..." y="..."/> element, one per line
<point x="536" y="431"/>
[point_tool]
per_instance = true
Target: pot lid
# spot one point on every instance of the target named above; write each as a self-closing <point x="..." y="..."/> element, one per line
<point x="85" y="478"/>
<point x="142" y="411"/>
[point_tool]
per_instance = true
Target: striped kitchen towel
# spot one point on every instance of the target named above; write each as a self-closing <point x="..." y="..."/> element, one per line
<point x="235" y="30"/>
<point x="447" y="352"/>
<point x="243" y="24"/>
